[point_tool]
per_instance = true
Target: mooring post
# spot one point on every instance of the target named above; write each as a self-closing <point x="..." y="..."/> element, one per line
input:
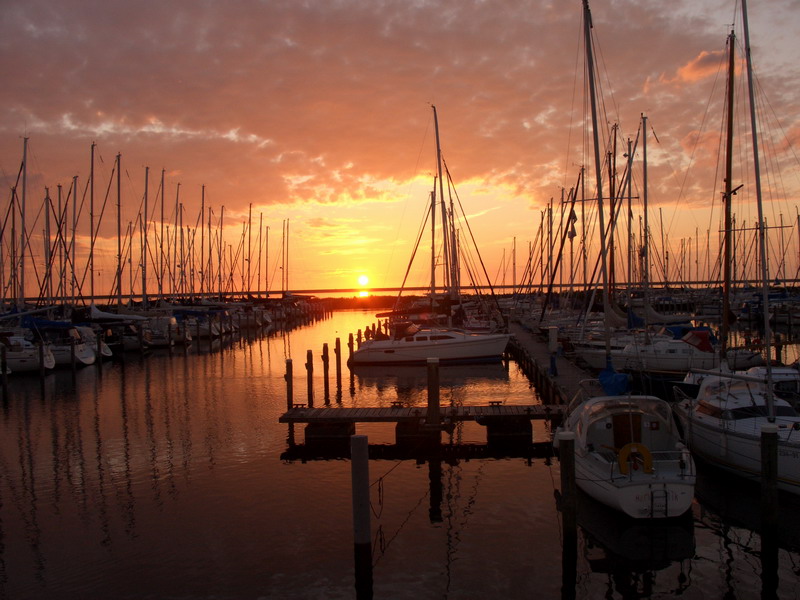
<point x="349" y="348"/>
<point x="566" y="456"/>
<point x="569" y="509"/>
<point x="310" y="378"/>
<point x="289" y="385"/>
<point x="769" y="476"/>
<point x="325" y="372"/>
<point x="434" y="416"/>
<point x="362" y="532"/>
<point x="769" y="509"/>
<point x="337" y="351"/>
<point x="358" y="338"/>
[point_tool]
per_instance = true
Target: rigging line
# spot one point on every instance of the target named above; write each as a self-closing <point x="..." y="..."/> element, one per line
<point x="472" y="237"/>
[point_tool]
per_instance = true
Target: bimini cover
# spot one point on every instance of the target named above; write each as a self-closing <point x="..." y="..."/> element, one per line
<point x="614" y="384"/>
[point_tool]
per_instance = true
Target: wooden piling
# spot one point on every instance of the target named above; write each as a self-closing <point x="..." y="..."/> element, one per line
<point x="349" y="348"/>
<point x="310" y="378"/>
<point x="434" y="416"/>
<point x="325" y="372"/>
<point x="769" y="476"/>
<point x="289" y="385"/>
<point x="362" y="531"/>
<point x="337" y="351"/>
<point x="569" y="504"/>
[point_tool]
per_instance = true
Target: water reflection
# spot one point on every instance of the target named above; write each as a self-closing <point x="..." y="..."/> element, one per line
<point x="630" y="552"/>
<point x="170" y="476"/>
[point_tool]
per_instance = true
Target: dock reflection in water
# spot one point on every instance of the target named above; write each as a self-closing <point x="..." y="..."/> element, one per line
<point x="168" y="476"/>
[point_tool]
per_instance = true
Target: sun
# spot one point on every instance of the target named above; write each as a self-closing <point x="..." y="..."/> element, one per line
<point x="363" y="280"/>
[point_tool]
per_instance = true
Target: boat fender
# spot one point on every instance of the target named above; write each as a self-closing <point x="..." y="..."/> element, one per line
<point x="625" y="453"/>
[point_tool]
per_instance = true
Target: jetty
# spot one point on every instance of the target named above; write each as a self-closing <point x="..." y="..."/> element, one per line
<point x="555" y="378"/>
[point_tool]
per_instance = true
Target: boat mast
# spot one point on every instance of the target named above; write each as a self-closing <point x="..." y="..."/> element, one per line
<point x="598" y="170"/>
<point x="119" y="231"/>
<point x="728" y="221"/>
<point x="202" y="240"/>
<point x="91" y="224"/>
<point x="74" y="232"/>
<point x="144" y="239"/>
<point x="21" y="276"/>
<point x="762" y="232"/>
<point x="161" y="245"/>
<point x="646" y="225"/>
<point x="48" y="258"/>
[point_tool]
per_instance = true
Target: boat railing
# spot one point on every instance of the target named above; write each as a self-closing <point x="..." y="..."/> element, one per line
<point x="663" y="462"/>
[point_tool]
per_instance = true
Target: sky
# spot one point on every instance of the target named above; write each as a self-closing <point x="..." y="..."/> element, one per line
<point x="318" y="113"/>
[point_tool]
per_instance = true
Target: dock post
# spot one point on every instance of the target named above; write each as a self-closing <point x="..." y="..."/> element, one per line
<point x="337" y="350"/>
<point x="358" y="338"/>
<point x="769" y="476"/>
<point x="350" y="348"/>
<point x="566" y="456"/>
<point x="362" y="533"/>
<point x="434" y="415"/>
<point x="569" y="508"/>
<point x="325" y="372"/>
<point x="310" y="378"/>
<point x="769" y="509"/>
<point x="289" y="385"/>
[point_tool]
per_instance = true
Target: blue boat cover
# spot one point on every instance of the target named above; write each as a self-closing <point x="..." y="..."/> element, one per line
<point x="614" y="384"/>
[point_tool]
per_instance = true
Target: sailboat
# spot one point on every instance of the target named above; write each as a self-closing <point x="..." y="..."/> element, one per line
<point x="628" y="454"/>
<point x="723" y="422"/>
<point x="407" y="342"/>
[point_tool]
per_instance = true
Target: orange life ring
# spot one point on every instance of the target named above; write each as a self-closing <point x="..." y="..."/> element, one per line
<point x="625" y="454"/>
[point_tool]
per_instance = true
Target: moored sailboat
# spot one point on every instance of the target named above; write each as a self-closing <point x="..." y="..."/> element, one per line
<point x="413" y="343"/>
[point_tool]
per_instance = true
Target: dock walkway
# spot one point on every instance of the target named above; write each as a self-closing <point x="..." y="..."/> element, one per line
<point x="397" y="414"/>
<point x="537" y="361"/>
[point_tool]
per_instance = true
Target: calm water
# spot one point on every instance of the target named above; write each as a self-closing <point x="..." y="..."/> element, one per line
<point x="163" y="477"/>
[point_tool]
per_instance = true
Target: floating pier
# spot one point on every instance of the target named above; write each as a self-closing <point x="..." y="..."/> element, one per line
<point x="505" y="423"/>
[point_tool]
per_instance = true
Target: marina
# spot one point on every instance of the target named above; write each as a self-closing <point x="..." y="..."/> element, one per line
<point x="141" y="478"/>
<point x="510" y="340"/>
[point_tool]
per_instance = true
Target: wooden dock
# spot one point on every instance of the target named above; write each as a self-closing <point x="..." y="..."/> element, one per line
<point x="397" y="413"/>
<point x="556" y="379"/>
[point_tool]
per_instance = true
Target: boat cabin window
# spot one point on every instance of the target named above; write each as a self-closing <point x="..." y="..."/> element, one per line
<point x="750" y="412"/>
<point x="710" y="410"/>
<point x="441" y="337"/>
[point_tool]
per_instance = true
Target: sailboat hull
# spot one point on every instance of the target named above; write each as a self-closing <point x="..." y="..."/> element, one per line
<point x="450" y="346"/>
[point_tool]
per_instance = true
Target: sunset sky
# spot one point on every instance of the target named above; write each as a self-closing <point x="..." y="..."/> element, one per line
<point x="319" y="112"/>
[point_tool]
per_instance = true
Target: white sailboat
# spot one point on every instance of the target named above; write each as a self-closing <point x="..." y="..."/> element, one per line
<point x="628" y="454"/>
<point x="22" y="355"/>
<point x="723" y="422"/>
<point x="411" y="343"/>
